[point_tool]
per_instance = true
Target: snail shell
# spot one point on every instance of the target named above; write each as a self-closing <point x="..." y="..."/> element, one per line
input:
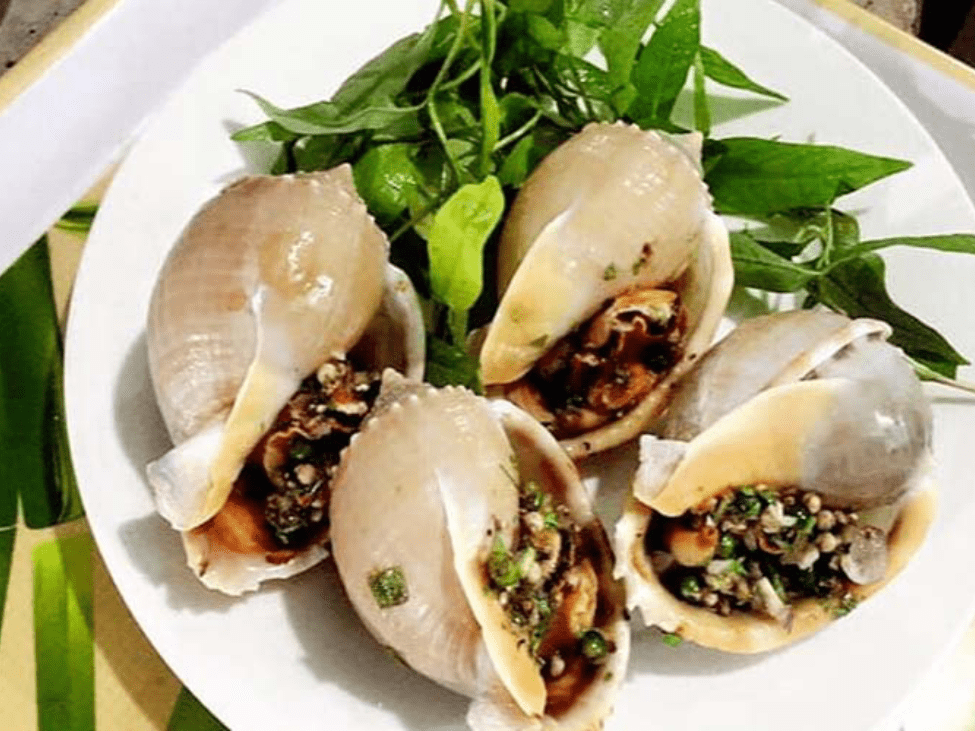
<point x="810" y="400"/>
<point x="612" y="212"/>
<point x="426" y="488"/>
<point x="271" y="278"/>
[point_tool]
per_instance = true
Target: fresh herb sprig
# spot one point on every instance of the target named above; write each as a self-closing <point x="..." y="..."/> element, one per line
<point x="818" y="255"/>
<point x="444" y="126"/>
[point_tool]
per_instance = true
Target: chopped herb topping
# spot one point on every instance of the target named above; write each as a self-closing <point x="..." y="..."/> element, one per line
<point x="846" y="605"/>
<point x="610" y="273"/>
<point x="753" y="549"/>
<point x="502" y="566"/>
<point x="671" y="640"/>
<point x="593" y="645"/>
<point x="389" y="587"/>
<point x="544" y="580"/>
<point x="290" y="470"/>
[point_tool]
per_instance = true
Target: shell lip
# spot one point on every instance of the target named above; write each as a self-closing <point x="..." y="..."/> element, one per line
<point x="194" y="482"/>
<point x="731" y="453"/>
<point x="542" y="462"/>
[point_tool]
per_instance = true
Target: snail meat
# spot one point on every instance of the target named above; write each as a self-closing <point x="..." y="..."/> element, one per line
<point x="468" y="545"/>
<point x="269" y="324"/>
<point x="803" y="486"/>
<point x="614" y="273"/>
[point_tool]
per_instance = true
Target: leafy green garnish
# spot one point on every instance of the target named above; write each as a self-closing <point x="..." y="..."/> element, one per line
<point x="671" y="640"/>
<point x="455" y="248"/>
<point x="389" y="587"/>
<point x="661" y="70"/>
<point x="444" y="126"/>
<point x="844" y="275"/>
<point x="760" y="177"/>
<point x="503" y="568"/>
<point x="719" y="69"/>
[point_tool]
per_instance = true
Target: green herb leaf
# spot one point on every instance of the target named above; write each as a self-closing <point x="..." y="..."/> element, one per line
<point x="63" y="646"/>
<point x="448" y="365"/>
<point x="190" y="715"/>
<point x="661" y="70"/>
<point x="955" y="243"/>
<point x="456" y="243"/>
<point x="502" y="566"/>
<point x="328" y="118"/>
<point x="758" y="267"/>
<point x="263" y="132"/>
<point x="389" y="180"/>
<point x="387" y="75"/>
<point x="856" y="288"/>
<point x="761" y="177"/>
<point x="671" y="640"/>
<point x="721" y="70"/>
<point x="702" y="112"/>
<point x="627" y="24"/>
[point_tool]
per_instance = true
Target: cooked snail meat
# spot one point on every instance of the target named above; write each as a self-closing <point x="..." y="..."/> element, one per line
<point x="613" y="273"/>
<point x="794" y="480"/>
<point x="273" y="279"/>
<point x="765" y="550"/>
<point x="605" y="367"/>
<point x="491" y="576"/>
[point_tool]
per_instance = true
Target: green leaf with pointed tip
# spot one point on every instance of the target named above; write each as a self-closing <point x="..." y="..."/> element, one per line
<point x="621" y="41"/>
<point x="760" y="177"/>
<point x="328" y="118"/>
<point x="662" y="68"/>
<point x="63" y="637"/>
<point x="954" y="243"/>
<point x="856" y="288"/>
<point x="758" y="267"/>
<point x="456" y="243"/>
<point x="719" y="69"/>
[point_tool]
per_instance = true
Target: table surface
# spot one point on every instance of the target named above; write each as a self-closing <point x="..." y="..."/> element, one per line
<point x="135" y="690"/>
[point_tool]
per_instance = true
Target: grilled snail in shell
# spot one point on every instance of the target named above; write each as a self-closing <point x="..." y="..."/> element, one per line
<point x="793" y="480"/>
<point x="468" y="545"/>
<point x="268" y="317"/>
<point x="615" y="273"/>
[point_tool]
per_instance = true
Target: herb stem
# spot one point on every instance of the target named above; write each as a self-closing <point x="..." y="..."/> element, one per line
<point x="462" y="77"/>
<point x="438" y="80"/>
<point x="423" y="213"/>
<point x="829" y="241"/>
<point x="518" y="133"/>
<point x="928" y="374"/>
<point x="586" y="103"/>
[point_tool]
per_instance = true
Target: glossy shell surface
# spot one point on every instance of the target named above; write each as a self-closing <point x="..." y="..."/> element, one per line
<point x="271" y="278"/>
<point x="612" y="209"/>
<point x="831" y="408"/>
<point x="427" y="487"/>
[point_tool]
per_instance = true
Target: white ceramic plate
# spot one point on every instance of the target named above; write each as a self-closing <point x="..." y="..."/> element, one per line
<point x="294" y="654"/>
